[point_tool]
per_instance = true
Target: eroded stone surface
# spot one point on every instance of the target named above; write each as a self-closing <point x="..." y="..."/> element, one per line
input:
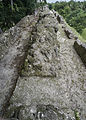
<point x="14" y="45"/>
<point x="53" y="75"/>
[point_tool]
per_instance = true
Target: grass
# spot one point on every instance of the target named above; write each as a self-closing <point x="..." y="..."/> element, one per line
<point x="84" y="33"/>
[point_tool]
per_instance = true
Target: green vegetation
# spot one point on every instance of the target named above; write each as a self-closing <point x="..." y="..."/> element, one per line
<point x="84" y="33"/>
<point x="76" y="33"/>
<point x="77" y="117"/>
<point x="11" y="11"/>
<point x="74" y="14"/>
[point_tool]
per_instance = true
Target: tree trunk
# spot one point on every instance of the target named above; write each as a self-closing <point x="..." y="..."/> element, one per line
<point x="12" y="5"/>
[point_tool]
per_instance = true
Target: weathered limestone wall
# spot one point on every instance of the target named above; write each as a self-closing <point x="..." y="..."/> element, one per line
<point x="53" y="76"/>
<point x="52" y="84"/>
<point x="14" y="45"/>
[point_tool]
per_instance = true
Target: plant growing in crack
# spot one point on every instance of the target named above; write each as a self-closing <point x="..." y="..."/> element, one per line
<point x="77" y="116"/>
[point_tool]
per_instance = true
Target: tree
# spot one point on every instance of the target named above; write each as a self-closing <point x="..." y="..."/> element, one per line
<point x="11" y="11"/>
<point x="45" y="1"/>
<point x="50" y="6"/>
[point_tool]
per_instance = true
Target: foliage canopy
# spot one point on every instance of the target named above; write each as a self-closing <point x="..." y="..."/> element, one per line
<point x="11" y="11"/>
<point x="73" y="12"/>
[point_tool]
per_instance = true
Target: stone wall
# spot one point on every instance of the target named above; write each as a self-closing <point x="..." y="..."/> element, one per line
<point x="51" y="83"/>
<point x="14" y="45"/>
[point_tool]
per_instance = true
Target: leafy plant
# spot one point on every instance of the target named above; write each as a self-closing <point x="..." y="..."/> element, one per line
<point x="77" y="117"/>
